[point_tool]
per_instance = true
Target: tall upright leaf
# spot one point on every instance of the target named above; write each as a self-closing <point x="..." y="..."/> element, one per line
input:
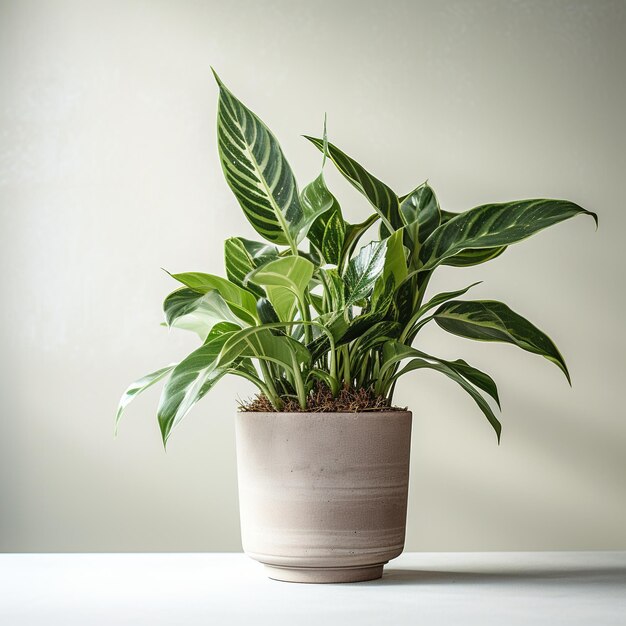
<point x="493" y="225"/>
<point x="257" y="171"/>
<point x="422" y="215"/>
<point x="489" y="320"/>
<point x="381" y="197"/>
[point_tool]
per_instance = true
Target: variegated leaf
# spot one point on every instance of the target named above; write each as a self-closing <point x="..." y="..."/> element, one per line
<point x="489" y="320"/>
<point x="381" y="197"/>
<point x="242" y="256"/>
<point x="257" y="171"/>
<point x="494" y="225"/>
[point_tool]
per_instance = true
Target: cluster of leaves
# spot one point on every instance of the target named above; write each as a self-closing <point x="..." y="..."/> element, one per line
<point x="339" y="313"/>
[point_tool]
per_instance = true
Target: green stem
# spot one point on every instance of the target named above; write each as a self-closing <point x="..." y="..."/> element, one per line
<point x="299" y="383"/>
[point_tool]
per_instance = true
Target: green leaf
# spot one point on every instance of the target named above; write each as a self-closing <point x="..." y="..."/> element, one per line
<point x="328" y="233"/>
<point x="260" y="343"/>
<point x="395" y="259"/>
<point x="394" y="352"/>
<point x="189" y="310"/>
<point x="138" y="387"/>
<point x="488" y="320"/>
<point x="240" y="300"/>
<point x="256" y="170"/>
<point x="354" y="232"/>
<point x="363" y="270"/>
<point x="334" y="292"/>
<point x="242" y="256"/>
<point x="381" y="197"/>
<point x="315" y="200"/>
<point x="422" y="215"/>
<point x="285" y="281"/>
<point x="191" y="379"/>
<point x="493" y="225"/>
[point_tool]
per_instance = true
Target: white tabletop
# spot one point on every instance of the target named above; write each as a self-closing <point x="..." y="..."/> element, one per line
<point x="223" y="589"/>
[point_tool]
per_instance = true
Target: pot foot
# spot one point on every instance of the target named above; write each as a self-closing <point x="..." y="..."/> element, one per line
<point x="324" y="575"/>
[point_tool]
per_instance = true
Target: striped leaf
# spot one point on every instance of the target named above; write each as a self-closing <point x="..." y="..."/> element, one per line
<point x="242" y="256"/>
<point x="285" y="281"/>
<point x="364" y="270"/>
<point x="240" y="300"/>
<point x="394" y="352"/>
<point x="261" y="343"/>
<point x="187" y="309"/>
<point x="138" y="387"/>
<point x="489" y="320"/>
<point x="328" y="233"/>
<point x="422" y="215"/>
<point x="315" y="200"/>
<point x="191" y="379"/>
<point x="257" y="172"/>
<point x="494" y="225"/>
<point x="381" y="197"/>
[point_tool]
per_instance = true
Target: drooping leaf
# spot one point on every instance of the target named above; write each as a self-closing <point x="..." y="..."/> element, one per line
<point x="493" y="225"/>
<point x="489" y="320"/>
<point x="363" y="270"/>
<point x="189" y="310"/>
<point x="191" y="379"/>
<point x="395" y="352"/>
<point x="240" y="300"/>
<point x="138" y="387"/>
<point x="242" y="256"/>
<point x="381" y="197"/>
<point x="257" y="171"/>
<point x="285" y="281"/>
<point x="440" y="298"/>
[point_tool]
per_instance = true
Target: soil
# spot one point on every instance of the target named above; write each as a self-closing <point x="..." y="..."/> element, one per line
<point x="321" y="400"/>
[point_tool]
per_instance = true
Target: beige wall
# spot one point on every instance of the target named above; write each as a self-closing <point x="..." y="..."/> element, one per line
<point x="108" y="171"/>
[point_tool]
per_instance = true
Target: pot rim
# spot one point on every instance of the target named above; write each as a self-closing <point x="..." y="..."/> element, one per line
<point x="327" y="413"/>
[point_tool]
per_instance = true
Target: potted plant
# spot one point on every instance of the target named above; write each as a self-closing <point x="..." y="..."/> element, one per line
<point x="324" y="333"/>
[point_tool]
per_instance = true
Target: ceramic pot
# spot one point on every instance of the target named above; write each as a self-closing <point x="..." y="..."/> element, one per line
<point x="323" y="496"/>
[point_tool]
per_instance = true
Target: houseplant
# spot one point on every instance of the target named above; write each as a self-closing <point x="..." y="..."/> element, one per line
<point x="324" y="333"/>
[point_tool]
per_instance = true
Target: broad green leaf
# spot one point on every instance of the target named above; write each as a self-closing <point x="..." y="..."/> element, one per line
<point x="285" y="281"/>
<point x="189" y="310"/>
<point x="488" y="320"/>
<point x="493" y="225"/>
<point x="240" y="300"/>
<point x="191" y="379"/>
<point x="381" y="197"/>
<point x="242" y="256"/>
<point x="138" y="387"/>
<point x="256" y="170"/>
<point x="395" y="352"/>
<point x="363" y="271"/>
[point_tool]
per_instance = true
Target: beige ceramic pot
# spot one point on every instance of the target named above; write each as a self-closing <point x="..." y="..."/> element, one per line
<point x="323" y="496"/>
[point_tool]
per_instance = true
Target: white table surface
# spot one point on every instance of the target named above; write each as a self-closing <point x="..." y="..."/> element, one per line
<point x="222" y="589"/>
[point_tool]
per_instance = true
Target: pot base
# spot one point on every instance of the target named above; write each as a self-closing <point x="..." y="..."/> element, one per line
<point x="325" y="574"/>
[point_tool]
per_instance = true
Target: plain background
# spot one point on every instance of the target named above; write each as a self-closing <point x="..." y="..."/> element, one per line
<point x="109" y="171"/>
